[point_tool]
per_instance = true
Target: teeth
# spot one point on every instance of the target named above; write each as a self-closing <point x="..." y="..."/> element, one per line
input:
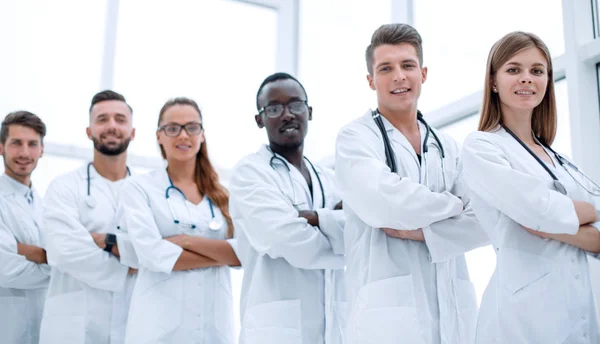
<point x="290" y="129"/>
<point x="400" y="90"/>
<point x="524" y="92"/>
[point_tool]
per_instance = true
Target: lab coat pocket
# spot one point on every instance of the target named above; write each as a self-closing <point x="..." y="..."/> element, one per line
<point x="13" y="319"/>
<point x="64" y="320"/>
<point x="156" y="311"/>
<point x="385" y="313"/>
<point x="466" y="305"/>
<point x="273" y="323"/>
<point x="223" y="307"/>
<point x="535" y="298"/>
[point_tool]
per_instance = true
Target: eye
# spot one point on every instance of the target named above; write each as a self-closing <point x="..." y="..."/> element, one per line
<point x="409" y="66"/>
<point x="33" y="144"/>
<point x="385" y="69"/>
<point x="512" y="70"/>
<point x="538" y="71"/>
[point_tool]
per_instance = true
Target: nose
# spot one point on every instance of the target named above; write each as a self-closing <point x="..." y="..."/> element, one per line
<point x="286" y="114"/>
<point x="399" y="75"/>
<point x="526" y="78"/>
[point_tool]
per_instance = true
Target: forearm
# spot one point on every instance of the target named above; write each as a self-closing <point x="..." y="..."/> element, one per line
<point x="189" y="260"/>
<point x="217" y="250"/>
<point x="32" y="253"/>
<point x="586" y="212"/>
<point x="587" y="238"/>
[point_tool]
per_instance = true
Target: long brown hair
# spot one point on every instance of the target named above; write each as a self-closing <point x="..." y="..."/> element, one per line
<point x="543" y="119"/>
<point x="205" y="176"/>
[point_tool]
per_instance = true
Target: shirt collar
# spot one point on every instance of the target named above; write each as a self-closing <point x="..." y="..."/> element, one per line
<point x="16" y="186"/>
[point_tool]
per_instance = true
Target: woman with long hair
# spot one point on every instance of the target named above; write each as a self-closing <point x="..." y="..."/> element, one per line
<point x="178" y="221"/>
<point x="535" y="205"/>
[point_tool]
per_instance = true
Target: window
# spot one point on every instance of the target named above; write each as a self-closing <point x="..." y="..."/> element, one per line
<point x="215" y="52"/>
<point x="332" y="65"/>
<point x="51" y="62"/>
<point x="458" y="35"/>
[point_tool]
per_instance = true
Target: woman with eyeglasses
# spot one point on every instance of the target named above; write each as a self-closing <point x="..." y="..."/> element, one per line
<point x="178" y="221"/>
<point x="539" y="215"/>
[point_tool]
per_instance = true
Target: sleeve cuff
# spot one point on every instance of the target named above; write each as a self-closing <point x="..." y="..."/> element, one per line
<point x="127" y="254"/>
<point x="330" y="226"/>
<point x="233" y="243"/>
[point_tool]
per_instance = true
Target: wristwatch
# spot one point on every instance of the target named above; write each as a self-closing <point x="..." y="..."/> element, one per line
<point x="110" y="241"/>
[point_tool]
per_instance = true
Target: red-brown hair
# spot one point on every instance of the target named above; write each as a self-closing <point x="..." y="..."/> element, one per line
<point x="205" y="176"/>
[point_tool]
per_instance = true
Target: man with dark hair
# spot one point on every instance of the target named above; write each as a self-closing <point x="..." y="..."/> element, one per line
<point x="92" y="275"/>
<point x="409" y="216"/>
<point x="24" y="272"/>
<point x="289" y="224"/>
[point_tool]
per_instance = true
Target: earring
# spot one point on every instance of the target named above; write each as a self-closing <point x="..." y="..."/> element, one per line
<point x="495" y="89"/>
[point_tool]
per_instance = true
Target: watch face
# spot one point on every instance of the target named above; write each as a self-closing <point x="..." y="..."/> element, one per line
<point x="111" y="239"/>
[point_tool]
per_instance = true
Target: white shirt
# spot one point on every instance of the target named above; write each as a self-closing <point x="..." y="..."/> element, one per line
<point x="192" y="306"/>
<point x="23" y="284"/>
<point x="404" y="291"/>
<point x="89" y="292"/>
<point x="540" y="291"/>
<point x="293" y="288"/>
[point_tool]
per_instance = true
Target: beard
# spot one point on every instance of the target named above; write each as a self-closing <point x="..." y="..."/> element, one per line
<point x="110" y="150"/>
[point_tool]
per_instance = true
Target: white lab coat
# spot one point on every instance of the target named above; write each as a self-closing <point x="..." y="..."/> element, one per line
<point x="23" y="284"/>
<point x="293" y="287"/>
<point x="403" y="291"/>
<point x="89" y="292"/>
<point x="193" y="306"/>
<point x="540" y="291"/>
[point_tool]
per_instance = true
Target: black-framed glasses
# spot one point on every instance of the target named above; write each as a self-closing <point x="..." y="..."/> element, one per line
<point x="296" y="107"/>
<point x="174" y="129"/>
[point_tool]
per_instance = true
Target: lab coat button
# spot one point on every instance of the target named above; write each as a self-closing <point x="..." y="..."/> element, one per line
<point x="576" y="276"/>
<point x="585" y="334"/>
<point x="572" y="260"/>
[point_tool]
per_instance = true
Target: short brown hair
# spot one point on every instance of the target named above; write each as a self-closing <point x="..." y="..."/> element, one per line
<point x="394" y="34"/>
<point x="543" y="119"/>
<point x="24" y="118"/>
<point x="108" y="95"/>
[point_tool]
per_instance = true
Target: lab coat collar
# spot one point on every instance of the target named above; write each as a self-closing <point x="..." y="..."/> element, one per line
<point x="11" y="186"/>
<point x="395" y="135"/>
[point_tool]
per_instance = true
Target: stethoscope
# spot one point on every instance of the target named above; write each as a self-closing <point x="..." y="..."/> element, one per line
<point x="289" y="171"/>
<point x="389" y="152"/>
<point x="563" y="162"/>
<point x="89" y="200"/>
<point x="214" y="224"/>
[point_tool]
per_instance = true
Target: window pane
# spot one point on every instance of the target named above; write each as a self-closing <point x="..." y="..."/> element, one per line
<point x="215" y="52"/>
<point x="458" y="35"/>
<point x="461" y="129"/>
<point x="332" y="65"/>
<point x="51" y="62"/>
<point x="562" y="141"/>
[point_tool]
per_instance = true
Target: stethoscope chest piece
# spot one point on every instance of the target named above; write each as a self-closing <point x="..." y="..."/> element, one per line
<point x="215" y="224"/>
<point x="560" y="187"/>
<point x="90" y="201"/>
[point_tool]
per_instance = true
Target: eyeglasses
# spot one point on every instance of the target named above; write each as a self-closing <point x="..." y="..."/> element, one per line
<point x="174" y="129"/>
<point x="296" y="107"/>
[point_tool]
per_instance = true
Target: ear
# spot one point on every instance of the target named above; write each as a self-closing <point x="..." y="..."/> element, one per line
<point x="259" y="121"/>
<point x="423" y="74"/>
<point x="202" y="137"/>
<point x="370" y="80"/>
<point x="310" y="113"/>
<point x="42" y="152"/>
<point x="1" y="149"/>
<point x="132" y="136"/>
<point x="88" y="132"/>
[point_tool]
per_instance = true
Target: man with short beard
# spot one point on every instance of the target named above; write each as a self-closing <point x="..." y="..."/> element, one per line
<point x="91" y="280"/>
<point x="24" y="273"/>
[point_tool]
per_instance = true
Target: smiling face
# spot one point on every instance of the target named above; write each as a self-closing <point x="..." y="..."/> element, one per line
<point x="288" y="130"/>
<point x="21" y="152"/>
<point x="397" y="77"/>
<point x="522" y="81"/>
<point x="183" y="147"/>
<point x="110" y="127"/>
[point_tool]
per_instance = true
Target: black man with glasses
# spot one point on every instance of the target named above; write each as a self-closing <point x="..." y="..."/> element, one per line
<point x="289" y="227"/>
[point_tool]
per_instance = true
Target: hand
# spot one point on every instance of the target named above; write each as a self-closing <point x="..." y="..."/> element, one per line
<point x="132" y="271"/>
<point x="181" y="240"/>
<point x="537" y="233"/>
<point x="416" y="235"/>
<point x="311" y="216"/>
<point x="338" y="206"/>
<point x="32" y="253"/>
<point x="99" y="239"/>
